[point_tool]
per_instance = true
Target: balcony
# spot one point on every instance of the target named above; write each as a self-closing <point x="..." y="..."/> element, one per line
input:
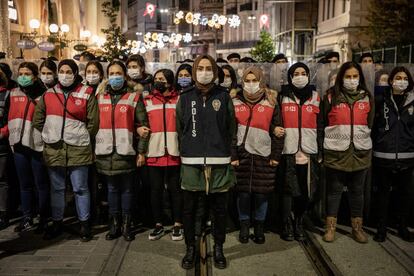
<point x="246" y="7"/>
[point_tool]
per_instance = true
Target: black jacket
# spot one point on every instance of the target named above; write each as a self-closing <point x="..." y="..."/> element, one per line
<point x="4" y="112"/>
<point x="205" y="126"/>
<point x="393" y="131"/>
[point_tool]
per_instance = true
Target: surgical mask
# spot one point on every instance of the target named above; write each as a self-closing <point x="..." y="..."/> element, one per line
<point x="400" y="85"/>
<point x="47" y="79"/>
<point x="134" y="73"/>
<point x="66" y="79"/>
<point x="382" y="83"/>
<point x="25" y="81"/>
<point x="184" y="81"/>
<point x="251" y="87"/>
<point x="93" y="79"/>
<point x="300" y="81"/>
<point x="116" y="82"/>
<point x="227" y="82"/>
<point x="351" y="84"/>
<point x="205" y="77"/>
<point x="160" y="86"/>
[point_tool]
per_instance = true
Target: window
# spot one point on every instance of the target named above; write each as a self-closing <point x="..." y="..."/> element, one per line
<point x="333" y="8"/>
<point x="343" y="6"/>
<point x="328" y="12"/>
<point x="323" y="10"/>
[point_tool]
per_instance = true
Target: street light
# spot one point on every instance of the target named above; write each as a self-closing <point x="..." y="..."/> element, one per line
<point x="53" y="28"/>
<point x="252" y="17"/>
<point x="64" y="28"/>
<point x="34" y="24"/>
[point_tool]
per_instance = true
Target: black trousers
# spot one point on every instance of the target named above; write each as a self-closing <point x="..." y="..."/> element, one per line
<point x="170" y="175"/>
<point x="299" y="204"/>
<point x="335" y="182"/>
<point x="4" y="183"/>
<point x="403" y="181"/>
<point x="217" y="202"/>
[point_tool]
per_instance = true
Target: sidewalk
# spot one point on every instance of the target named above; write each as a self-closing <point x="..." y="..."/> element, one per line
<point x="29" y="254"/>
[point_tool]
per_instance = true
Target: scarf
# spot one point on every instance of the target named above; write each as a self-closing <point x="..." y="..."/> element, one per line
<point x="204" y="88"/>
<point x="262" y="92"/>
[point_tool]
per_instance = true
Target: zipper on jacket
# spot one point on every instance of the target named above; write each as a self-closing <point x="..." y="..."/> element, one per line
<point x="205" y="154"/>
<point x="64" y="115"/>
<point x="165" y="127"/>
<point x="249" y="120"/>
<point x="300" y="126"/>
<point x="113" y="124"/>
<point x="352" y="121"/>
<point x="26" y="110"/>
<point x="251" y="173"/>
<point x="397" y="137"/>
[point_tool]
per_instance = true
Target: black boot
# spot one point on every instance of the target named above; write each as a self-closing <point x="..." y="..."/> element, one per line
<point x="114" y="228"/>
<point x="218" y="256"/>
<point x="54" y="231"/>
<point x="403" y="231"/>
<point x="381" y="234"/>
<point x="188" y="259"/>
<point x="287" y="231"/>
<point x="259" y="236"/>
<point x="299" y="232"/>
<point x="126" y="228"/>
<point x="244" y="231"/>
<point x="85" y="231"/>
<point x="4" y="220"/>
<point x="25" y="224"/>
<point x="41" y="226"/>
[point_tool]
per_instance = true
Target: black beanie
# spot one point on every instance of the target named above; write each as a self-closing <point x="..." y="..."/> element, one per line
<point x="71" y="64"/>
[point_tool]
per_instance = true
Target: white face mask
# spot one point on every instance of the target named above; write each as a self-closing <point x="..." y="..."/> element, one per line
<point x="66" y="79"/>
<point x="204" y="77"/>
<point x="300" y="81"/>
<point x="251" y="87"/>
<point x="227" y="82"/>
<point x="351" y="84"/>
<point x="134" y="73"/>
<point x="400" y="85"/>
<point x="93" y="79"/>
<point x="47" y="79"/>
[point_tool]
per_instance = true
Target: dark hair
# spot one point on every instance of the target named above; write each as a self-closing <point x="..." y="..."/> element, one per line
<point x="339" y="82"/>
<point x="168" y="74"/>
<point x="117" y="62"/>
<point x="138" y="59"/>
<point x="6" y="70"/>
<point x="378" y="75"/>
<point x="3" y="80"/>
<point x="184" y="66"/>
<point x="364" y="55"/>
<point x="52" y="58"/>
<point x="51" y="65"/>
<point x="232" y="75"/>
<point x="279" y="56"/>
<point x="331" y="55"/>
<point x="233" y="55"/>
<point x="98" y="65"/>
<point x="398" y="69"/>
<point x="221" y="60"/>
<point x="88" y="56"/>
<point x="31" y="66"/>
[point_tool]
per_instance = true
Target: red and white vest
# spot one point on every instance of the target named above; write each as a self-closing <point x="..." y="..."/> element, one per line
<point x="300" y="123"/>
<point x="161" y="117"/>
<point x="67" y="124"/>
<point x="20" y="121"/>
<point x="253" y="124"/>
<point x="116" y="124"/>
<point x="348" y="123"/>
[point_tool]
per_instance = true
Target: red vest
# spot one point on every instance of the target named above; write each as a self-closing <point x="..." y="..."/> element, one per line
<point x="161" y="117"/>
<point x="253" y="126"/>
<point x="67" y="125"/>
<point x="116" y="124"/>
<point x="348" y="123"/>
<point x="300" y="124"/>
<point x="20" y="121"/>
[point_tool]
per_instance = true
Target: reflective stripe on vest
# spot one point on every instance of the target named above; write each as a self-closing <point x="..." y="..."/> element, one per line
<point x="253" y="126"/>
<point x="116" y="125"/>
<point x="20" y="119"/>
<point x="348" y="125"/>
<point x="164" y="135"/>
<point x="72" y="121"/>
<point x="393" y="156"/>
<point x="303" y="136"/>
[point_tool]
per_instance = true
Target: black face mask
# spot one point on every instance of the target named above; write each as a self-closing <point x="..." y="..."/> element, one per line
<point x="160" y="86"/>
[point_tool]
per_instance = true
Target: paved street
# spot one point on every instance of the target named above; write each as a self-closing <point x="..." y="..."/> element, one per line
<point x="28" y="254"/>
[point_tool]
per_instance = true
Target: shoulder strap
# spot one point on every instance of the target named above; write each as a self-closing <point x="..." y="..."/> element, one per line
<point x="64" y="106"/>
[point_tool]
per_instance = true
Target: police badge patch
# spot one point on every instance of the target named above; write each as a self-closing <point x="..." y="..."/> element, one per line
<point x="216" y="104"/>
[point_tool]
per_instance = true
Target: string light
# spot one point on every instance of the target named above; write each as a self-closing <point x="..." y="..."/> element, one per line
<point x="216" y="21"/>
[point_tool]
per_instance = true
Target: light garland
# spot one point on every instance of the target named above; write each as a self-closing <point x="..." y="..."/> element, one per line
<point x="216" y="21"/>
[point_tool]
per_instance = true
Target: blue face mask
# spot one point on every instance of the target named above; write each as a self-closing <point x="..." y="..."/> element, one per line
<point x="184" y="81"/>
<point x="24" y="81"/>
<point x="116" y="82"/>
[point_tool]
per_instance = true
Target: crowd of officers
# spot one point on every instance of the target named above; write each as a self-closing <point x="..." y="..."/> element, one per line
<point x="202" y="133"/>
